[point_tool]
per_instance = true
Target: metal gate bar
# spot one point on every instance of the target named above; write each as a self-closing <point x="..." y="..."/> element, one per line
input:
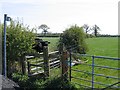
<point x="92" y="73"/>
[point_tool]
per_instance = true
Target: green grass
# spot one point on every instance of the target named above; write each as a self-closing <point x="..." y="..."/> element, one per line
<point x="53" y="43"/>
<point x="103" y="46"/>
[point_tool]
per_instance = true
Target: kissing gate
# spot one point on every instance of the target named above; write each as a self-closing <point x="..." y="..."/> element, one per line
<point x="99" y="72"/>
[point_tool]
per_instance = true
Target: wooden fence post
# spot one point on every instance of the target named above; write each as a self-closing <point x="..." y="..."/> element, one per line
<point x="23" y="65"/>
<point x="28" y="63"/>
<point x="46" y="61"/>
<point x="64" y="64"/>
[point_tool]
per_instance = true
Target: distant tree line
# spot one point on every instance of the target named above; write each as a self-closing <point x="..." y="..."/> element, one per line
<point x="90" y="32"/>
<point x="49" y="34"/>
<point x="107" y="35"/>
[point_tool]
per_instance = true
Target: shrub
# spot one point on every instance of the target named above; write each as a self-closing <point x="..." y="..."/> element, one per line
<point x="58" y="83"/>
<point x="28" y="83"/>
<point x="74" y="37"/>
<point x="23" y="81"/>
<point x="19" y="40"/>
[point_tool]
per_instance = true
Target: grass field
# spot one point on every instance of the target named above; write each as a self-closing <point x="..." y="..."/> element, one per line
<point x="103" y="46"/>
<point x="100" y="47"/>
<point x="53" y="43"/>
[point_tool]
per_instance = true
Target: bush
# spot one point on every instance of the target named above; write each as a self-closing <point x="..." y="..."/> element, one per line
<point x="58" y="83"/>
<point x="19" y="40"/>
<point x="17" y="77"/>
<point x="74" y="37"/>
<point x="27" y="83"/>
<point x="23" y="81"/>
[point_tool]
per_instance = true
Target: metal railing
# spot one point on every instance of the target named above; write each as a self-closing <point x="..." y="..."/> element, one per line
<point x="93" y="74"/>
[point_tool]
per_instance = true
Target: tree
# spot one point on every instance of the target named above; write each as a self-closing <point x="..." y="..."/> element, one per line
<point x="44" y="27"/>
<point x="86" y="28"/>
<point x="19" y="40"/>
<point x="95" y="29"/>
<point x="74" y="37"/>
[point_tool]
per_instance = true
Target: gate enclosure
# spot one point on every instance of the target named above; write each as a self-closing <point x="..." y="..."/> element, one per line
<point x="98" y="72"/>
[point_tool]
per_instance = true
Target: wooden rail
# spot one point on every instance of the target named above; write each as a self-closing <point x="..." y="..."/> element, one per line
<point x="50" y="60"/>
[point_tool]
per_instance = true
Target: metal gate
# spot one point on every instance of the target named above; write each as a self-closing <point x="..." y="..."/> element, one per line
<point x="99" y="72"/>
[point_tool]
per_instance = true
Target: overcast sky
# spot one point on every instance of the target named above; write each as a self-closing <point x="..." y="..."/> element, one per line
<point x="61" y="14"/>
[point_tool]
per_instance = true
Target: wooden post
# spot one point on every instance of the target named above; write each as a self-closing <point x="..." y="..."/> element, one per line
<point x="46" y="61"/>
<point x="28" y="63"/>
<point x="23" y="66"/>
<point x="64" y="64"/>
